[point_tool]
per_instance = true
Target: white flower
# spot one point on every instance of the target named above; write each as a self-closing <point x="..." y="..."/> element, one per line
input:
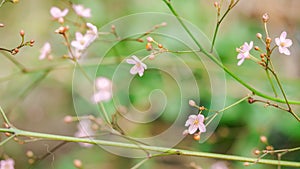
<point x="45" y="52"/>
<point x="103" y="90"/>
<point x="81" y="41"/>
<point x="195" y="122"/>
<point x="283" y="43"/>
<point x="58" y="14"/>
<point x="7" y="164"/>
<point x="139" y="67"/>
<point x="244" y="52"/>
<point x="81" y="11"/>
<point x="85" y="131"/>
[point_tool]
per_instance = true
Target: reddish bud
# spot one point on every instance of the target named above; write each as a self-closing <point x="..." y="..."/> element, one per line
<point x="160" y="45"/>
<point x="251" y="100"/>
<point x="22" y="33"/>
<point x="268" y="40"/>
<point x="1" y="25"/>
<point x="263" y="139"/>
<point x="15" y="51"/>
<point x="256" y="48"/>
<point x="77" y="163"/>
<point x="197" y="136"/>
<point x="149" y="46"/>
<point x="140" y="40"/>
<point x="256" y="152"/>
<point x="68" y="119"/>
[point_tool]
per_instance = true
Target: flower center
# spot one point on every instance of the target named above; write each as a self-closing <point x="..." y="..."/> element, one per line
<point x="196" y="122"/>
<point x="282" y="44"/>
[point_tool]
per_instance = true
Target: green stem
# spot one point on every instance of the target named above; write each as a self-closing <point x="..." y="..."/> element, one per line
<point x="271" y="82"/>
<point x="140" y="163"/>
<point x="219" y="23"/>
<point x="224" y="109"/>
<point x="18" y="132"/>
<point x="215" y="60"/>
<point x="6" y="140"/>
<point x="17" y="63"/>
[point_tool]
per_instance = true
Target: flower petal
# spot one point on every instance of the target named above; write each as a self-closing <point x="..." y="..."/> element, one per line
<point x="130" y="61"/>
<point x="201" y="127"/>
<point x="277" y="41"/>
<point x="286" y="51"/>
<point x="240" y="62"/>
<point x="288" y="42"/>
<point x="283" y="36"/>
<point x="192" y="129"/>
<point x="134" y="70"/>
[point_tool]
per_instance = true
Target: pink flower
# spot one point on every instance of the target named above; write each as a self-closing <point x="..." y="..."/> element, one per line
<point x="81" y="11"/>
<point x="7" y="164"/>
<point x="103" y="90"/>
<point x="85" y="130"/>
<point x="139" y="67"/>
<point x="283" y="43"/>
<point x="83" y="41"/>
<point x="195" y="122"/>
<point x="244" y="52"/>
<point x="45" y="52"/>
<point x="58" y="14"/>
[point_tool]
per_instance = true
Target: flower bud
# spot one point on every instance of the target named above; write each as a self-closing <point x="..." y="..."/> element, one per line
<point x="268" y="40"/>
<point x="150" y="39"/>
<point x="259" y="35"/>
<point x="256" y="48"/>
<point x="77" y="163"/>
<point x="151" y="56"/>
<point x="246" y="164"/>
<point x="256" y="152"/>
<point x="192" y="103"/>
<point x="216" y="4"/>
<point x="22" y="33"/>
<point x="202" y="108"/>
<point x="263" y="139"/>
<point x="140" y="40"/>
<point x="197" y="136"/>
<point x="160" y="45"/>
<point x="265" y="17"/>
<point x="68" y="119"/>
<point x="149" y="46"/>
<point x="29" y="154"/>
<point x="250" y="100"/>
<point x="1" y="25"/>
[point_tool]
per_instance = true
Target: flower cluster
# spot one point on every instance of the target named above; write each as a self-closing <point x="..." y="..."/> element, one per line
<point x="281" y="42"/>
<point x="103" y="90"/>
<point x="81" y="41"/>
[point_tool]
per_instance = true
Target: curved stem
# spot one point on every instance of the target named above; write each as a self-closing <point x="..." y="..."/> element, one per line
<point x="18" y="132"/>
<point x="216" y="61"/>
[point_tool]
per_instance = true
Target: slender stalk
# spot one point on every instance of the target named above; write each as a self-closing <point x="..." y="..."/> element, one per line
<point x="17" y="63"/>
<point x="140" y="163"/>
<point x="224" y="109"/>
<point x="271" y="82"/>
<point x="215" y="60"/>
<point x="6" y="140"/>
<point x="219" y="23"/>
<point x="182" y="152"/>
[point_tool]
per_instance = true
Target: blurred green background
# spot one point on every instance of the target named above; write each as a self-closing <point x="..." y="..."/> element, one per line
<point x="238" y="132"/>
